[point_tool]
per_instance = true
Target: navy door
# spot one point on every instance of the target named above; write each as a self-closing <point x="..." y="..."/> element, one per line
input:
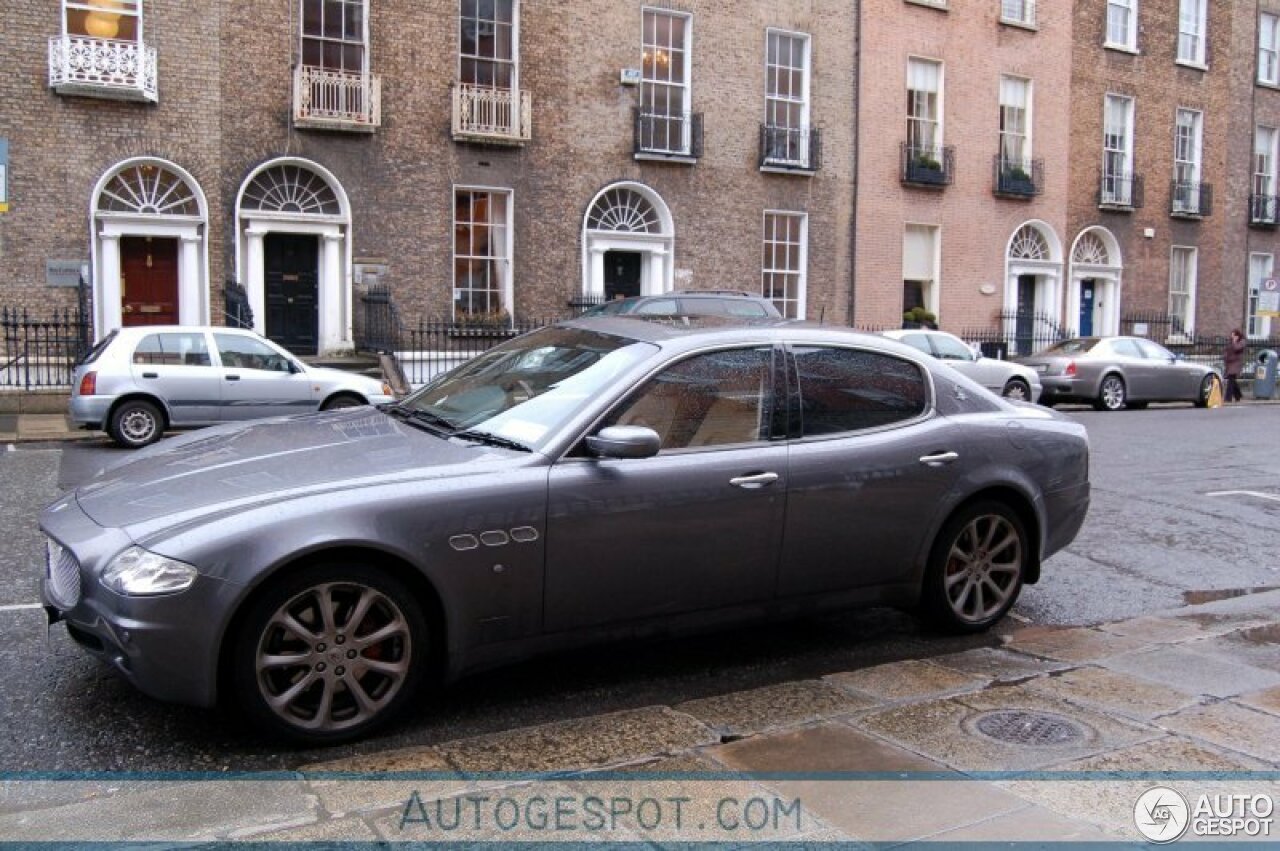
<point x="621" y="274"/>
<point x="1086" y="308"/>
<point x="292" y="275"/>
<point x="1024" y="324"/>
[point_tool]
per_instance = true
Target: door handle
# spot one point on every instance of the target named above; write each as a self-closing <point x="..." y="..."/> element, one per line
<point x="754" y="480"/>
<point x="150" y="375"/>
<point x="939" y="459"/>
<point x="233" y="378"/>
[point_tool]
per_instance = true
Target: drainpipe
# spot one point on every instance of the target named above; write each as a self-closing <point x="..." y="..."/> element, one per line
<point x="857" y="160"/>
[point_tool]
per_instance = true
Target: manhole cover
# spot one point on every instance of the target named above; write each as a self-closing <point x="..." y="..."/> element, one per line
<point x="1018" y="727"/>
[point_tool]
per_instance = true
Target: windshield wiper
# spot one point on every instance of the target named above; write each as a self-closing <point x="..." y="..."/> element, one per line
<point x="432" y="422"/>
<point x="491" y="439"/>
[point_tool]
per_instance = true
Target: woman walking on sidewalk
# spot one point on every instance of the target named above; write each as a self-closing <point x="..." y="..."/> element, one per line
<point x="1232" y="362"/>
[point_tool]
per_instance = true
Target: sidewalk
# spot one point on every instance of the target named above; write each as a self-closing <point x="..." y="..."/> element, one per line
<point x="1053" y="736"/>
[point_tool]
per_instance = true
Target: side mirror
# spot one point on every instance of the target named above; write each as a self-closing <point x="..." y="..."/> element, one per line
<point x="625" y="442"/>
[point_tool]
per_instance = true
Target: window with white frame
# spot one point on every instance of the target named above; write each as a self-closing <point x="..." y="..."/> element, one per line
<point x="487" y="44"/>
<point x="786" y="103"/>
<point x="1262" y="207"/>
<point x="1182" y="289"/>
<point x="664" y="84"/>
<point x="920" y="259"/>
<point x="1122" y="24"/>
<point x="924" y="113"/>
<point x="119" y="20"/>
<point x="1187" y="141"/>
<point x="334" y="35"/>
<point x="1269" y="49"/>
<point x="1261" y="267"/>
<point x="1117" y="150"/>
<point x="1015" y="132"/>
<point x="1018" y="12"/>
<point x="783" y="270"/>
<point x="1192" y="22"/>
<point x="482" y="254"/>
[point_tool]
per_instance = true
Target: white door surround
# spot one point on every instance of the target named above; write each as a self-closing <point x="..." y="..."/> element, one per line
<point x="1034" y="249"/>
<point x="1095" y="255"/>
<point x="628" y="216"/>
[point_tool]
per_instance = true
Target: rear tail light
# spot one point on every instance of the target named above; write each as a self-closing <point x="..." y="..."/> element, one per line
<point x="1071" y="368"/>
<point x="89" y="384"/>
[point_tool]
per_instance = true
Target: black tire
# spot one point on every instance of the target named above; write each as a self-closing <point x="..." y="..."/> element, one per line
<point x="136" y="423"/>
<point x="1206" y="387"/>
<point x="342" y="400"/>
<point x="1112" y="394"/>
<point x="983" y="548"/>
<point x="1017" y="389"/>
<point x="330" y="658"/>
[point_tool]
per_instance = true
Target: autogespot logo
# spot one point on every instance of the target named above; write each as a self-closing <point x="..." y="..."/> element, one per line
<point x="1161" y="814"/>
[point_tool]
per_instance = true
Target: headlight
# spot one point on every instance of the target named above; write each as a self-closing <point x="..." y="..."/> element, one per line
<point x="139" y="573"/>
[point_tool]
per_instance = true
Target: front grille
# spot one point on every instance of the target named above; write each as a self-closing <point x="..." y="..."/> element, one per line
<point x="64" y="575"/>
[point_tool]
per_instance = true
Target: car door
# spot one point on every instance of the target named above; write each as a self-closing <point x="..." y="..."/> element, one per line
<point x="260" y="381"/>
<point x="1173" y="379"/>
<point x="868" y="467"/>
<point x="1141" y="376"/>
<point x="695" y="527"/>
<point x="175" y="366"/>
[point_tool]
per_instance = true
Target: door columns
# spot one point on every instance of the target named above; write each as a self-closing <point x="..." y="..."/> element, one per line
<point x="329" y="321"/>
<point x="190" y="305"/>
<point x="109" y="310"/>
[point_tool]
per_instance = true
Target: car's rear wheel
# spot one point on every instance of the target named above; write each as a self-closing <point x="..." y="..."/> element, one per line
<point x="1112" y="394"/>
<point x="1017" y="390"/>
<point x="342" y="400"/>
<point x="976" y="568"/>
<point x="136" y="423"/>
<point x="1206" y="389"/>
<point x="330" y="653"/>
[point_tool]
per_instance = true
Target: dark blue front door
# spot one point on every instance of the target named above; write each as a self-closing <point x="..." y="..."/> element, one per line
<point x="1025" y="322"/>
<point x="1086" y="308"/>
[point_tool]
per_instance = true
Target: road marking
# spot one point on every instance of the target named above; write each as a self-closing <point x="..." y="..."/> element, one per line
<point x="1271" y="497"/>
<point x="21" y="607"/>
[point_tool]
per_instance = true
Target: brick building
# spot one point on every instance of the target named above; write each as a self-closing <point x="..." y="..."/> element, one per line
<point x="482" y="159"/>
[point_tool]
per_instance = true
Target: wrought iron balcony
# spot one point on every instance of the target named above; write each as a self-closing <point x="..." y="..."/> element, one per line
<point x="1264" y="211"/>
<point x="1121" y="192"/>
<point x="675" y="136"/>
<point x="790" y="148"/>
<point x="336" y="100"/>
<point x="1189" y="200"/>
<point x="928" y="166"/>
<point x="102" y="68"/>
<point x="494" y="116"/>
<point x="1021" y="12"/>
<point x="1017" y="178"/>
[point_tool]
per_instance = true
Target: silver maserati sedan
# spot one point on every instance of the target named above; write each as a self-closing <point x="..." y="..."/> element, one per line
<point x="594" y="480"/>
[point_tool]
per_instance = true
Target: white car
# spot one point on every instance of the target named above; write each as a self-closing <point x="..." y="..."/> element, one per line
<point x="137" y="382"/>
<point x="1006" y="378"/>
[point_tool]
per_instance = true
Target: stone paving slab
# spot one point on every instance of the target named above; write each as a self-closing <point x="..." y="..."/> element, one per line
<point x="910" y="680"/>
<point x="1157" y="630"/>
<point x="998" y="665"/>
<point x="1113" y="693"/>
<point x="784" y="705"/>
<point x="1267" y="700"/>
<point x="1228" y="725"/>
<point x="1080" y="644"/>
<point x="329" y="830"/>
<point x="1194" y="672"/>
<point x="1167" y="753"/>
<point x="1258" y="646"/>
<point x="1031" y="823"/>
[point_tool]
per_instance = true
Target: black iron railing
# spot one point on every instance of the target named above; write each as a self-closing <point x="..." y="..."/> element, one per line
<point x="41" y="351"/>
<point x="1190" y="200"/>
<point x="1120" y="191"/>
<point x="927" y="166"/>
<point x="236" y="309"/>
<point x="1264" y="211"/>
<point x="1017" y="178"/>
<point x="798" y="148"/>
<point x="668" y="134"/>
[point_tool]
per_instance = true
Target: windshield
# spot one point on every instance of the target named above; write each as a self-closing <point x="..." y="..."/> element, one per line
<point x="1073" y="347"/>
<point x="525" y="389"/>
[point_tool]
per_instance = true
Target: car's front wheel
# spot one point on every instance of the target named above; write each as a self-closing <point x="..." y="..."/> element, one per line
<point x="1112" y="394"/>
<point x="136" y="423"/>
<point x="330" y="653"/>
<point x="1017" y="390"/>
<point x="976" y="568"/>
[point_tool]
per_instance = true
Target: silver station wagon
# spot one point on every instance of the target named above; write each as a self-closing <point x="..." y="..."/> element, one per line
<point x="599" y="479"/>
<point x="139" y="381"/>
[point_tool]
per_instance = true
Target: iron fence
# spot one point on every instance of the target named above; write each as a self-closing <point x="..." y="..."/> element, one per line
<point x="236" y="307"/>
<point x="41" y="352"/>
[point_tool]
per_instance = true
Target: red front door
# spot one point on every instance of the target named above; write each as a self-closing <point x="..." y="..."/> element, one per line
<point x="149" y="280"/>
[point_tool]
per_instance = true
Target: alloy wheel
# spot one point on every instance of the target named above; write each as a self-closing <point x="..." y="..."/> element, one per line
<point x="1112" y="393"/>
<point x="983" y="568"/>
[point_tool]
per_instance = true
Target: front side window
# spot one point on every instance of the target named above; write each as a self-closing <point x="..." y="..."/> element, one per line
<point x="664" y="84"/>
<point x="1122" y="24"/>
<point x="847" y="390"/>
<point x="1186" y="161"/>
<point x="786" y="104"/>
<point x="1182" y="289"/>
<point x="1261" y="267"/>
<point x="719" y="398"/>
<point x="1015" y="139"/>
<point x="1269" y="49"/>
<point x="924" y="117"/>
<point x="239" y="352"/>
<point x="180" y="349"/>
<point x="334" y="36"/>
<point x="481" y="255"/>
<point x="119" y="20"/>
<point x="487" y="44"/>
<point x="949" y="348"/>
<point x="785" y="261"/>
<point x="1191" y="31"/>
<point x="1117" y="150"/>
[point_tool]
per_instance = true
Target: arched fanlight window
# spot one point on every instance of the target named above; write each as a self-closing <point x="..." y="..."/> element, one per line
<point x="1090" y="249"/>
<point x="624" y="210"/>
<point x="1029" y="244"/>
<point x="148" y="189"/>
<point x="290" y="189"/>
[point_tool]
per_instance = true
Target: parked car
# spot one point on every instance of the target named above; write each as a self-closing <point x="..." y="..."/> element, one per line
<point x="137" y="382"/>
<point x="1009" y="379"/>
<point x="597" y="479"/>
<point x="1118" y="372"/>
<point x="690" y="303"/>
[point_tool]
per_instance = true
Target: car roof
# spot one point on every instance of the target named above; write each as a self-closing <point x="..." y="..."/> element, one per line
<point x="693" y="331"/>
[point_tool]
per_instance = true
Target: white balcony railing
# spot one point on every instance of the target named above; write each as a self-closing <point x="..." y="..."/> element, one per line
<point x="336" y="100"/>
<point x="102" y="67"/>
<point x="493" y="115"/>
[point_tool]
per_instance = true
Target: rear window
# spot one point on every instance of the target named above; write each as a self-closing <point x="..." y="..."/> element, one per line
<point x="843" y="390"/>
<point x="1073" y="347"/>
<point x="101" y="346"/>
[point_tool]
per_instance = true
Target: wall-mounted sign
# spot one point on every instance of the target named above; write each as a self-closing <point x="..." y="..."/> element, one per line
<point x="4" y="175"/>
<point x="64" y="273"/>
<point x="629" y="77"/>
<point x="1269" y="297"/>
